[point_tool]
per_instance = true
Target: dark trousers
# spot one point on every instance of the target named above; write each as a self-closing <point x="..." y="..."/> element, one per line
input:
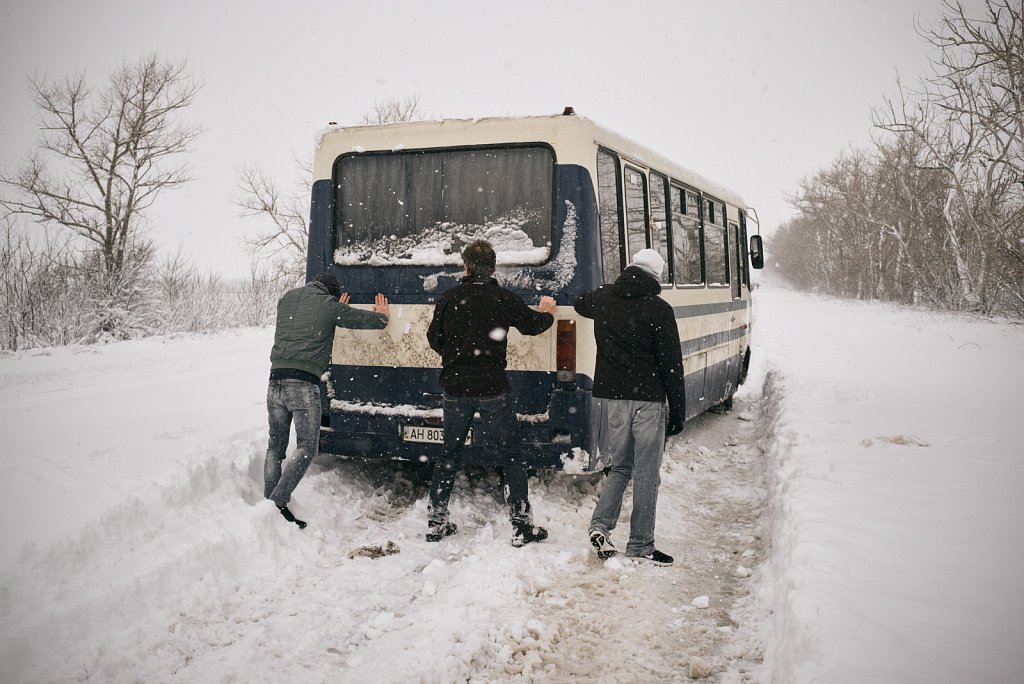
<point x="503" y="432"/>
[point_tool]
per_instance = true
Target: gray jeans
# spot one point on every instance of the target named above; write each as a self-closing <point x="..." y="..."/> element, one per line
<point x="289" y="400"/>
<point x="636" y="440"/>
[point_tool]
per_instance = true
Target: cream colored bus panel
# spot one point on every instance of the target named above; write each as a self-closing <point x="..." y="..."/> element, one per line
<point x="531" y="353"/>
<point x="404" y="344"/>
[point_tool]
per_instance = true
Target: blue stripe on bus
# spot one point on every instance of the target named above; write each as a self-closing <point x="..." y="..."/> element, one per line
<point x="698" y="344"/>
<point x="692" y="310"/>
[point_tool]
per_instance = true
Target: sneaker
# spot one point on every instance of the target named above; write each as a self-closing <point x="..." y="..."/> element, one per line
<point x="656" y="557"/>
<point x="438" y="531"/>
<point x="600" y="541"/>
<point x="291" y="518"/>
<point x="526" y="533"/>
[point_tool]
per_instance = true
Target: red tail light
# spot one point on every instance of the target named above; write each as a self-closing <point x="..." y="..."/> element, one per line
<point x="565" y="350"/>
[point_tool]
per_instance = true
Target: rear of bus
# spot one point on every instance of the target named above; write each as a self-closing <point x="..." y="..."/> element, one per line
<point x="392" y="208"/>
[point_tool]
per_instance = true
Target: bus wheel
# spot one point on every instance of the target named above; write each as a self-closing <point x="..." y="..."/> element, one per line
<point x="745" y="367"/>
<point x="723" y="407"/>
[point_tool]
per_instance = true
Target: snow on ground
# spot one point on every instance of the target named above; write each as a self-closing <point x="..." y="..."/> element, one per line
<point x="855" y="518"/>
<point x="142" y="551"/>
<point x="85" y="427"/>
<point x="896" y="489"/>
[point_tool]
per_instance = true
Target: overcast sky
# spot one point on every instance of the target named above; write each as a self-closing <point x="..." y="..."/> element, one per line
<point x="754" y="95"/>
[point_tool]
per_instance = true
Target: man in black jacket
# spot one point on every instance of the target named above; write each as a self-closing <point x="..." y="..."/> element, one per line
<point x="469" y="329"/>
<point x="307" y="318"/>
<point x="639" y="366"/>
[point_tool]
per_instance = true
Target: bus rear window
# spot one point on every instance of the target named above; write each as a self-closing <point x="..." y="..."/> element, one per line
<point x="420" y="208"/>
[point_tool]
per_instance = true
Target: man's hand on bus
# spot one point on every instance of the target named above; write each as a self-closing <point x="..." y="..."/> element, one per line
<point x="547" y="305"/>
<point x="380" y="305"/>
<point x="344" y="298"/>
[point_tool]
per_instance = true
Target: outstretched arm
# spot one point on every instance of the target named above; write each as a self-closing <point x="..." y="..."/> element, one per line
<point x="530" y="322"/>
<point x="346" y="316"/>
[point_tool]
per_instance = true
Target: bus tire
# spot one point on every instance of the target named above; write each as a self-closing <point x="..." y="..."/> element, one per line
<point x="722" y="407"/>
<point x="744" y="367"/>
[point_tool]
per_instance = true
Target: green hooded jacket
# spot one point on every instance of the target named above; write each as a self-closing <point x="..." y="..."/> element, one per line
<point x="306" y="319"/>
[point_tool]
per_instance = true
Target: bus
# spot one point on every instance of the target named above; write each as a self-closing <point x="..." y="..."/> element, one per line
<point x="565" y="202"/>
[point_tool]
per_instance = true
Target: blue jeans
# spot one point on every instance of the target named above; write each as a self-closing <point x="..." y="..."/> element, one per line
<point x="288" y="400"/>
<point x="636" y="439"/>
<point x="503" y="431"/>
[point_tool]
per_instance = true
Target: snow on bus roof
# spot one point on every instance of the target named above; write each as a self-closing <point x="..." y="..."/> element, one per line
<point x="625" y="145"/>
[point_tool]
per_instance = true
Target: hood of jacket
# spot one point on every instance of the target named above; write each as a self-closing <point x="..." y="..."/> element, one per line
<point x="635" y="282"/>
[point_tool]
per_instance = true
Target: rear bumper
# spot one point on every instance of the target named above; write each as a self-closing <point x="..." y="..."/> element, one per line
<point x="563" y="437"/>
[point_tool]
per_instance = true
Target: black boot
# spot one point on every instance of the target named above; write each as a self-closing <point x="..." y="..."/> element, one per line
<point x="438" y="531"/>
<point x="291" y="518"/>
<point x="525" y="533"/>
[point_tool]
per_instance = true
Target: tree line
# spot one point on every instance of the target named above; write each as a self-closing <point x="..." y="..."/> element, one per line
<point x="932" y="212"/>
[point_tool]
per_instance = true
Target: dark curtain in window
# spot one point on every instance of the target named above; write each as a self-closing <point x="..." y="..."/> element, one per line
<point x="405" y="194"/>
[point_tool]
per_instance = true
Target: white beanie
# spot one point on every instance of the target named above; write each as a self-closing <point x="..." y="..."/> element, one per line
<point x="650" y="261"/>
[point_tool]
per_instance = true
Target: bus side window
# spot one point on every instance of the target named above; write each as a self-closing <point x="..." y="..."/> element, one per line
<point x="659" y="224"/>
<point x="735" y="265"/>
<point x="686" y="237"/>
<point x="715" y="257"/>
<point x="744" y="256"/>
<point x="636" y="210"/>
<point x="609" y="208"/>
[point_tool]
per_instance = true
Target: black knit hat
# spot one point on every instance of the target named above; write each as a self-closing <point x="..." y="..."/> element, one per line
<point x="330" y="282"/>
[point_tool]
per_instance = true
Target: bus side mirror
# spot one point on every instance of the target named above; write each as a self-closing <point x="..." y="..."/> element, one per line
<point x="756" y="252"/>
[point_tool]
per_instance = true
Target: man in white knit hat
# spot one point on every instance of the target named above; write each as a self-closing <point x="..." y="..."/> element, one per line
<point x="639" y="367"/>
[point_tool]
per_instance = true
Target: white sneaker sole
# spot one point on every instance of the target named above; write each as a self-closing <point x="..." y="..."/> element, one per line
<point x="598" y="540"/>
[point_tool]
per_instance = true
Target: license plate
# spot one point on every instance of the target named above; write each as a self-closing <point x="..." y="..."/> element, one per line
<point x="427" y="434"/>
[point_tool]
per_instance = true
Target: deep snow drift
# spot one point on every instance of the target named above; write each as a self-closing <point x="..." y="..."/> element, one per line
<point x="896" y="489"/>
<point x="855" y="520"/>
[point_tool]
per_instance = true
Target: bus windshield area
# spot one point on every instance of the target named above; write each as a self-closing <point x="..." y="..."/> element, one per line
<point x="421" y="207"/>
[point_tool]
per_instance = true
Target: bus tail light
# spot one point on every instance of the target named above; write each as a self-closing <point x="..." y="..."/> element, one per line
<point x="565" y="350"/>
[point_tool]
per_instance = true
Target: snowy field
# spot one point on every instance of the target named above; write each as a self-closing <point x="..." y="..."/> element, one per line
<point x="855" y="518"/>
<point x="896" y="494"/>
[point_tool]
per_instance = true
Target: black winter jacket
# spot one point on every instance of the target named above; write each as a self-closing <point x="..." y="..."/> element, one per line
<point x="469" y="329"/>
<point x="638" y="351"/>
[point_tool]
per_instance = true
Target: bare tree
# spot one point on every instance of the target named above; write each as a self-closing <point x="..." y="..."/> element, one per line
<point x="968" y="118"/>
<point x="104" y="156"/>
<point x="395" y="110"/>
<point x="935" y="213"/>
<point x="284" y="242"/>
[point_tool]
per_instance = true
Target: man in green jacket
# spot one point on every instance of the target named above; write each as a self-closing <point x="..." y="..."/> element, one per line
<point x="307" y="318"/>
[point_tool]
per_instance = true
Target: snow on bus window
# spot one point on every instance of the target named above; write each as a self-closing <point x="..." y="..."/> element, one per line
<point x="556" y="274"/>
<point x="442" y="245"/>
<point x="420" y="208"/>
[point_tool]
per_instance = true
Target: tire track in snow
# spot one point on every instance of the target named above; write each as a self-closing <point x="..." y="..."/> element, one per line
<point x="627" y="621"/>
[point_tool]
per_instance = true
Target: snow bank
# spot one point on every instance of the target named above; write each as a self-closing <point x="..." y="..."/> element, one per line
<point x="895" y="487"/>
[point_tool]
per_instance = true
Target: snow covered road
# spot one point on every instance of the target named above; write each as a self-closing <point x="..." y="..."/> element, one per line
<point x="144" y="551"/>
<point x="856" y="518"/>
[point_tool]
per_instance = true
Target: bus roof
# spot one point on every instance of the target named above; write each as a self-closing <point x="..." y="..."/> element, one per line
<point x="526" y="128"/>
